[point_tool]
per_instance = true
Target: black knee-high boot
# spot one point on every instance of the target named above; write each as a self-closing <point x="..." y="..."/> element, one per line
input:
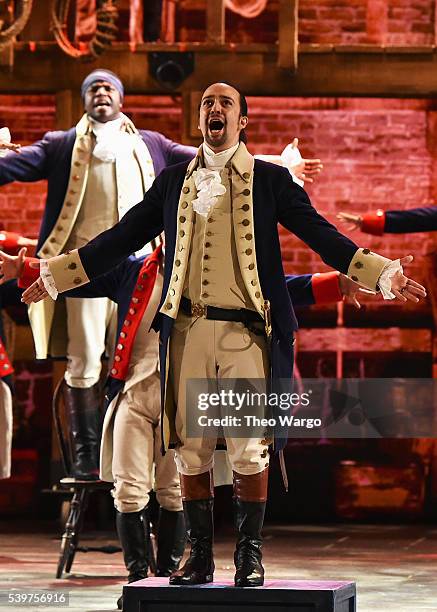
<point x="172" y="537"/>
<point x="198" y="500"/>
<point x="133" y="530"/>
<point x="250" y="495"/>
<point x="83" y="410"/>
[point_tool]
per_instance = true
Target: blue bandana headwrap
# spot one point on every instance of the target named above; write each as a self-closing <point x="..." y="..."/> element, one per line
<point x="102" y="75"/>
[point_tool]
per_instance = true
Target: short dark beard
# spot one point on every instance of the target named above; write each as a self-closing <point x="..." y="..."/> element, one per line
<point x="215" y="143"/>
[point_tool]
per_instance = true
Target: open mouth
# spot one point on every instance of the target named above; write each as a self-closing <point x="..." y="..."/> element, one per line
<point x="216" y="126"/>
<point x="101" y="104"/>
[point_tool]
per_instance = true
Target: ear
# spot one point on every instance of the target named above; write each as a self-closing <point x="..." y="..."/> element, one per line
<point x="243" y="122"/>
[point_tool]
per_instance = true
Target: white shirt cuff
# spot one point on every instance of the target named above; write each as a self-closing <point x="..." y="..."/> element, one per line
<point x="384" y="281"/>
<point x="47" y="279"/>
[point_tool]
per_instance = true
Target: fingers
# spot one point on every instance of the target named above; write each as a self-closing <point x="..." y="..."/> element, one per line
<point x="313" y="163"/>
<point x="35" y="293"/>
<point x="344" y="216"/>
<point x="419" y="291"/>
<point x="406" y="260"/>
<point x="295" y="143"/>
<point x="356" y="302"/>
<point x="416" y="286"/>
<point x="399" y="295"/>
<point x="22" y="254"/>
<point x="34" y="265"/>
<point x="410" y="296"/>
<point x="410" y="293"/>
<point x="10" y="146"/>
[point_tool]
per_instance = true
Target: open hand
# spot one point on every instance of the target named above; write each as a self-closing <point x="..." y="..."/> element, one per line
<point x="9" y="146"/>
<point x="355" y="221"/>
<point x="306" y="169"/>
<point x="352" y="290"/>
<point x="405" y="288"/>
<point x="36" y="292"/>
<point x="11" y="266"/>
<point x="5" y="142"/>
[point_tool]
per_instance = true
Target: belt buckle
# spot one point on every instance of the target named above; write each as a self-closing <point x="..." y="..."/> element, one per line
<point x="198" y="310"/>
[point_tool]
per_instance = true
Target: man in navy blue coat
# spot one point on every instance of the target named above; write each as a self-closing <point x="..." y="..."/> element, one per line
<point x="223" y="284"/>
<point x="105" y="159"/>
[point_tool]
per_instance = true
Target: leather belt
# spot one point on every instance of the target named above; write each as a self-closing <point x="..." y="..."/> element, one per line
<point x="241" y="315"/>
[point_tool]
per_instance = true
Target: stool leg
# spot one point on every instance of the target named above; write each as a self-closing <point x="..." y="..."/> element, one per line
<point x="68" y="535"/>
<point x="77" y="523"/>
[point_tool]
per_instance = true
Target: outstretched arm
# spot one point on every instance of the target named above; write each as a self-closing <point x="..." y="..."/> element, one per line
<point x="30" y="165"/>
<point x="323" y="288"/>
<point x="370" y="270"/>
<point x="378" y="222"/>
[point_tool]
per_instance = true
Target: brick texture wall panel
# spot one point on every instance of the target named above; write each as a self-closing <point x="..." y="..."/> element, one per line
<point x="395" y="22"/>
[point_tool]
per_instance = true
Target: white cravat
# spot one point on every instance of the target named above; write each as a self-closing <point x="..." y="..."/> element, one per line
<point x="208" y="181"/>
<point x="111" y="140"/>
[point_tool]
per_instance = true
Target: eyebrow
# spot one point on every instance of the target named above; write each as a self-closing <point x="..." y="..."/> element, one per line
<point x="220" y="96"/>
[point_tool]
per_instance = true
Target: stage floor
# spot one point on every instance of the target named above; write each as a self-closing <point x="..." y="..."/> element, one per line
<point x="394" y="567"/>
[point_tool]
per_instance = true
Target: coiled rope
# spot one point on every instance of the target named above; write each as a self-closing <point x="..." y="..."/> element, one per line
<point x="106" y="29"/>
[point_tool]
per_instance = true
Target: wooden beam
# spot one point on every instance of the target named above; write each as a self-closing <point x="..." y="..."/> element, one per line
<point x="370" y="71"/>
<point x="190" y="113"/>
<point x="288" y="30"/>
<point x="215" y="21"/>
<point x="69" y="109"/>
<point x="7" y="58"/>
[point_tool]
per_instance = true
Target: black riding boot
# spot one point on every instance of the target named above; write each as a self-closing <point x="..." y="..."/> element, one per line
<point x="171" y="541"/>
<point x="197" y="493"/>
<point x="133" y="530"/>
<point x="249" y="505"/>
<point x="83" y="410"/>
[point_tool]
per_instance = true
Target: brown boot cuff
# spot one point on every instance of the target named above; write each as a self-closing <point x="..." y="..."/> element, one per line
<point x="200" y="486"/>
<point x="252" y="488"/>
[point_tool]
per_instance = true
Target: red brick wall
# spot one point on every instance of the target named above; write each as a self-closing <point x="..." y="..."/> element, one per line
<point x="396" y="22"/>
<point x="28" y="118"/>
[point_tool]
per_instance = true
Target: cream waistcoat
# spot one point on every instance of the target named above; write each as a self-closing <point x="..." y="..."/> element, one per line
<point x="213" y="274"/>
<point x="235" y="242"/>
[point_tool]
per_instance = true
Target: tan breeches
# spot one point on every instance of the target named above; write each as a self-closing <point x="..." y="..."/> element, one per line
<point x="90" y="325"/>
<point x="137" y="462"/>
<point x="200" y="348"/>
